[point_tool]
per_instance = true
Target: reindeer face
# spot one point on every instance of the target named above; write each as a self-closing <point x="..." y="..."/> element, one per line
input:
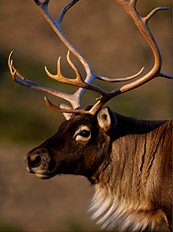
<point x="78" y="147"/>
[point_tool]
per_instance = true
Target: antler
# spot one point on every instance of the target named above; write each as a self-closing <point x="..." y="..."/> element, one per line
<point x="75" y="99"/>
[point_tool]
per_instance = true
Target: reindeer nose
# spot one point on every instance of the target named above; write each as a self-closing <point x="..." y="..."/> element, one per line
<point x="37" y="161"/>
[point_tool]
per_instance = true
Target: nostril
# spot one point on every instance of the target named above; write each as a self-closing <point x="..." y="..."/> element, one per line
<point x="35" y="161"/>
<point x="38" y="160"/>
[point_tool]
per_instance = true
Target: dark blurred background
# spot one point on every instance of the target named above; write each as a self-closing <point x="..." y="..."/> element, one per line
<point x="110" y="41"/>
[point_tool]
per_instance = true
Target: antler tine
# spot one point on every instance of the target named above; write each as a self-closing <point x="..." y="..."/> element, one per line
<point x="142" y="24"/>
<point x="17" y="77"/>
<point x="56" y="25"/>
<point x="78" y="81"/>
<point x="62" y="110"/>
<point x="120" y="79"/>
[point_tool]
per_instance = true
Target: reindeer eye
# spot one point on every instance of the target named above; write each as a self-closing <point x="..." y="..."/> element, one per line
<point x="85" y="133"/>
<point x="82" y="134"/>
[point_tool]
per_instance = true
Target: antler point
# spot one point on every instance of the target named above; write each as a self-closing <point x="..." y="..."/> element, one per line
<point x="48" y="73"/>
<point x="59" y="66"/>
<point x="46" y="70"/>
<point x="9" y="58"/>
<point x="150" y="15"/>
<point x="46" y="99"/>
<point x="68" y="57"/>
<point x="11" y="53"/>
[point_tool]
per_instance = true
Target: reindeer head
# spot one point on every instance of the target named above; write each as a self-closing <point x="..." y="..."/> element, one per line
<point x="71" y="149"/>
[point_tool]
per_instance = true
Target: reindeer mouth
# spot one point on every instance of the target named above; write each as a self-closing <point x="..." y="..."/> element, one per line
<point x="40" y="175"/>
<point x="43" y="176"/>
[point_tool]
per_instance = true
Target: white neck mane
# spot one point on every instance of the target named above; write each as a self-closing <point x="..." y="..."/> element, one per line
<point x="111" y="211"/>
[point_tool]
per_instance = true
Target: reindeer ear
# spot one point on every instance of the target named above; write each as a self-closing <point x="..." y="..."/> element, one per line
<point x="66" y="115"/>
<point x="106" y="118"/>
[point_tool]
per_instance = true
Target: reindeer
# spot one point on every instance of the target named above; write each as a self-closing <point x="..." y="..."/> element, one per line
<point x="127" y="159"/>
